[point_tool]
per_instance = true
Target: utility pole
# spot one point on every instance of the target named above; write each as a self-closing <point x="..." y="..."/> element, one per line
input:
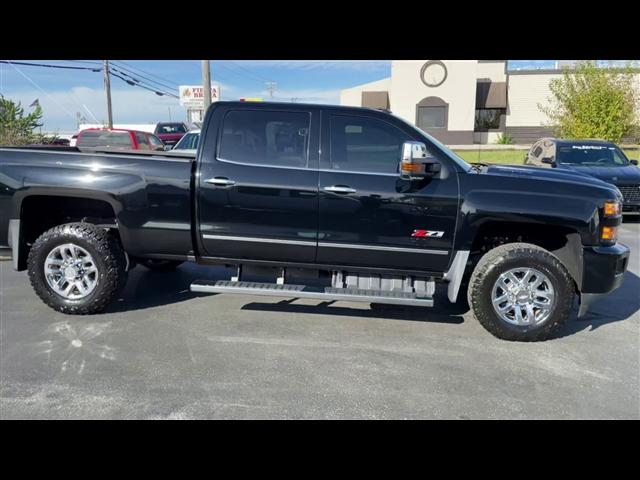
<point x="271" y="86"/>
<point x="107" y="87"/>
<point x="206" y="84"/>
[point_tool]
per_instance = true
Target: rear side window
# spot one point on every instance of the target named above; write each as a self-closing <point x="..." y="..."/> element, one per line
<point x="270" y="138"/>
<point x="104" y="139"/>
<point x="362" y="144"/>
<point x="142" y="141"/>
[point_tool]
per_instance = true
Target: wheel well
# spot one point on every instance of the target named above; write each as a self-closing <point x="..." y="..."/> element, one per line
<point x="39" y="213"/>
<point x="493" y="234"/>
<point x="563" y="242"/>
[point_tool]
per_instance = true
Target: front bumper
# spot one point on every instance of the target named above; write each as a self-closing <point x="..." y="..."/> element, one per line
<point x="603" y="272"/>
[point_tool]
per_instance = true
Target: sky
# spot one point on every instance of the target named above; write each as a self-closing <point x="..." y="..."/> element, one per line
<point x="63" y="92"/>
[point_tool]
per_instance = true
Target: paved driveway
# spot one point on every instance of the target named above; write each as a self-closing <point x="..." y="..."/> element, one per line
<point x="162" y="352"/>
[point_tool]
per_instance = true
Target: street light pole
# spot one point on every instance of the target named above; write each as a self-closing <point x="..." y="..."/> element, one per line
<point x="107" y="87"/>
<point x="206" y="83"/>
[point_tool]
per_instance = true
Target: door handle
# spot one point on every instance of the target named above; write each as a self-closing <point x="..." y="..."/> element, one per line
<point x="340" y="189"/>
<point x="220" y="181"/>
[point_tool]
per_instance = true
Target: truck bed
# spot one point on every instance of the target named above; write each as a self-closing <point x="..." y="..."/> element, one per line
<point x="148" y="192"/>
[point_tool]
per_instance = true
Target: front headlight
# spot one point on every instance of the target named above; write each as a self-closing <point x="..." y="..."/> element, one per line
<point x="611" y="208"/>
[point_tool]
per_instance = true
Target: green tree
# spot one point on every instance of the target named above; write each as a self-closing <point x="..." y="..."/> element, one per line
<point x="593" y="102"/>
<point x="16" y="128"/>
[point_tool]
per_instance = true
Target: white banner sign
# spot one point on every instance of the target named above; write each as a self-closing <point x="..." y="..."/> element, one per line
<point x="192" y="96"/>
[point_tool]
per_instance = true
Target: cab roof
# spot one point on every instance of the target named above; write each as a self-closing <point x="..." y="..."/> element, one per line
<point x="267" y="105"/>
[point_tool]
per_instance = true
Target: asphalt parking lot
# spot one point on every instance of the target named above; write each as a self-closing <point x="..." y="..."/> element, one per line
<point x="162" y="352"/>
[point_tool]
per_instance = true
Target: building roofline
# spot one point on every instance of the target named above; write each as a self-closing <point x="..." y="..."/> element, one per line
<point x="560" y="71"/>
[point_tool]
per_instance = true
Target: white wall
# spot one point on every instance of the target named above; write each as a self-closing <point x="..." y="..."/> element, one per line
<point x="524" y="94"/>
<point x="458" y="90"/>
<point x="494" y="70"/>
<point x="353" y="96"/>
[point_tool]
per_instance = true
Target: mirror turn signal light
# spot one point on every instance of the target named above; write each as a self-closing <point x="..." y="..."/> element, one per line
<point x="609" y="234"/>
<point x="611" y="209"/>
<point x="412" y="167"/>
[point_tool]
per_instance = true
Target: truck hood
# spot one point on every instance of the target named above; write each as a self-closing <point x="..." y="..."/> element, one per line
<point x="553" y="174"/>
<point x="616" y="175"/>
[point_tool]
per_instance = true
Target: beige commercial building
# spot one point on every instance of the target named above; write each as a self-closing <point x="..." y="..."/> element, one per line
<point x="462" y="101"/>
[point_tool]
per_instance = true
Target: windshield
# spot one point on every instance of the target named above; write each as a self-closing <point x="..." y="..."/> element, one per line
<point x="592" y="155"/>
<point x="188" y="142"/>
<point x="171" y="128"/>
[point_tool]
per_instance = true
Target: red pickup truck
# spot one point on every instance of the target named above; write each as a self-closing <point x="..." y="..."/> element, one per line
<point x="119" y="139"/>
<point x="170" y="132"/>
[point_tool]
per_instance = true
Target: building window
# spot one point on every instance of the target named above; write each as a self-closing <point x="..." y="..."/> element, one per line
<point x="432" y="113"/>
<point x="432" y="117"/>
<point x="488" y="119"/>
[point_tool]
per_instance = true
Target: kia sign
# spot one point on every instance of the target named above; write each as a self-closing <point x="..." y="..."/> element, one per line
<point x="192" y="96"/>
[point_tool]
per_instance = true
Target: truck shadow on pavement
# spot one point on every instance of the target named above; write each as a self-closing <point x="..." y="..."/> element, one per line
<point x="147" y="289"/>
<point x="619" y="305"/>
<point x="444" y="313"/>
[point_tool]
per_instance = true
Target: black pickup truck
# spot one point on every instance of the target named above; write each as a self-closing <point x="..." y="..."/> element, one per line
<point x="333" y="203"/>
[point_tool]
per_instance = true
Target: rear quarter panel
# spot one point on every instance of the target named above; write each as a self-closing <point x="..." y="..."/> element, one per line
<point x="150" y="196"/>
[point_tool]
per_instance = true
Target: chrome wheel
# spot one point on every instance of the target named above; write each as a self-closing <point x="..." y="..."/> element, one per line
<point x="71" y="271"/>
<point x="523" y="296"/>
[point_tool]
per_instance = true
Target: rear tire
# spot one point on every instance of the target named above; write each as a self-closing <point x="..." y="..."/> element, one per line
<point x="487" y="286"/>
<point x="96" y="247"/>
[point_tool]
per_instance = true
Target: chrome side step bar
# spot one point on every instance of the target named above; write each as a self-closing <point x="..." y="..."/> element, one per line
<point x="303" y="291"/>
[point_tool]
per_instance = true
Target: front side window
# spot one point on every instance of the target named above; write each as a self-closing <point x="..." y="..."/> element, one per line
<point x="432" y="117"/>
<point x="155" y="141"/>
<point x="362" y="144"/>
<point x="188" y="142"/>
<point x="142" y="141"/>
<point x="261" y="137"/>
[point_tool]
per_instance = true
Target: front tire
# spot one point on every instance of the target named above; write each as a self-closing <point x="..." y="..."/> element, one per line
<point x="521" y="292"/>
<point x="77" y="268"/>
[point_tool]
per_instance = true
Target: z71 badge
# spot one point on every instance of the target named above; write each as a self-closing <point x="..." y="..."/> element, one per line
<point x="427" y="234"/>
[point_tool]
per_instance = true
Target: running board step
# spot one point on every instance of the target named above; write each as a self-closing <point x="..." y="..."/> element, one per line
<point x="303" y="291"/>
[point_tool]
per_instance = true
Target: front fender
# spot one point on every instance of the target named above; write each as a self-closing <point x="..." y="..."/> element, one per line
<point x="535" y="209"/>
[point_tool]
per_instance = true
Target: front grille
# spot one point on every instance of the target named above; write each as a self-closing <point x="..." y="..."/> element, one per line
<point x="630" y="193"/>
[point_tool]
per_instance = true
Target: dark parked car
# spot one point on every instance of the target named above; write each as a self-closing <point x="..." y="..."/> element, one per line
<point x="118" y="139"/>
<point x="323" y="202"/>
<point x="597" y="158"/>
<point x="170" y="132"/>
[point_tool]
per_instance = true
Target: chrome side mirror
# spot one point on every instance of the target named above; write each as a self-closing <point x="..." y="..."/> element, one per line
<point x="415" y="164"/>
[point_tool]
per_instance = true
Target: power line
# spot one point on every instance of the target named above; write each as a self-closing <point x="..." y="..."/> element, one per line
<point x="131" y="69"/>
<point x="255" y="75"/>
<point x="135" y="84"/>
<point x="39" y="88"/>
<point x="29" y="64"/>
